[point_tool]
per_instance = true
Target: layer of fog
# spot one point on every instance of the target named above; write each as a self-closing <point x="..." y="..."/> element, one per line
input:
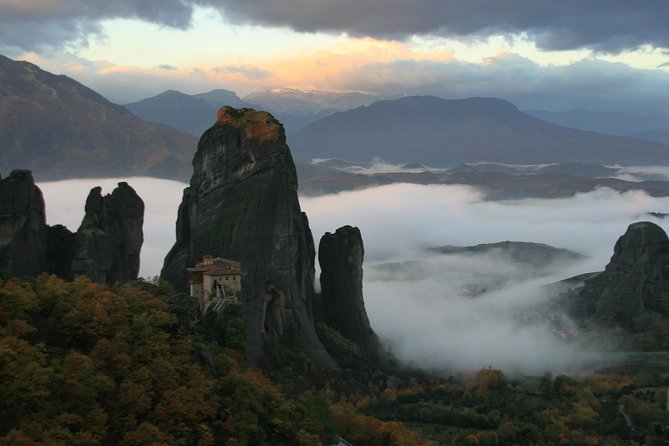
<point x="643" y="173"/>
<point x="429" y="317"/>
<point x="377" y="166"/>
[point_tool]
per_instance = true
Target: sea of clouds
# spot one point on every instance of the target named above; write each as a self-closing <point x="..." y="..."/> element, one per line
<point x="427" y="317"/>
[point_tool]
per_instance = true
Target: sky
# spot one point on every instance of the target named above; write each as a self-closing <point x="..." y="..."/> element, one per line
<point x="600" y="54"/>
<point x="424" y="315"/>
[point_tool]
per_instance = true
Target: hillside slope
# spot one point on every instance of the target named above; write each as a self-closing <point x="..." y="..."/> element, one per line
<point x="440" y="132"/>
<point x="58" y="128"/>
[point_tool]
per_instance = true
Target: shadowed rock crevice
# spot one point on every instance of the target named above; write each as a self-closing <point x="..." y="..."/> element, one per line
<point x="272" y="314"/>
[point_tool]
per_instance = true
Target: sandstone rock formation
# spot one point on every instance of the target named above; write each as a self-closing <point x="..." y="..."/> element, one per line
<point x="340" y="256"/>
<point x="106" y="247"/>
<point x="242" y="204"/>
<point x="110" y="237"/>
<point x="23" y="238"/>
<point x="636" y="277"/>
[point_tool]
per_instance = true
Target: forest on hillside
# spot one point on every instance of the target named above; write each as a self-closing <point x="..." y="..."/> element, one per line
<point x="86" y="364"/>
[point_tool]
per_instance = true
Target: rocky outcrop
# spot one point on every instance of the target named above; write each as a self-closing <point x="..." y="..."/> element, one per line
<point x="242" y="204"/>
<point x="23" y="238"/>
<point x="109" y="240"/>
<point x="627" y="292"/>
<point x="340" y="256"/>
<point x="106" y="247"/>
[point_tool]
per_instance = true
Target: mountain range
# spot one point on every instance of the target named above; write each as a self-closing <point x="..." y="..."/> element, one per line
<point x="294" y="108"/>
<point x="439" y="132"/>
<point x="298" y="108"/>
<point x="189" y="113"/>
<point x="58" y="128"/>
<point x="611" y="122"/>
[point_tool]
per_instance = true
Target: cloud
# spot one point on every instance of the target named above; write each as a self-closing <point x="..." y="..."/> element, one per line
<point x="38" y="24"/>
<point x="600" y="24"/>
<point x="662" y="65"/>
<point x="389" y="69"/>
<point x="124" y="84"/>
<point x="248" y="72"/>
<point x="589" y="84"/>
<point x="167" y="67"/>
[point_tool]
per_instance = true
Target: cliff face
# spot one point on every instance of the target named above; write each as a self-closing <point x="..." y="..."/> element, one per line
<point x="340" y="256"/>
<point x="636" y="276"/>
<point x="179" y="257"/>
<point x="110" y="237"/>
<point x="23" y="237"/>
<point x="242" y="204"/>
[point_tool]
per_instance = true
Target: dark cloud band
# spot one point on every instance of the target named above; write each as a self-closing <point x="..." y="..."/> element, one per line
<point x="50" y="23"/>
<point x="603" y="25"/>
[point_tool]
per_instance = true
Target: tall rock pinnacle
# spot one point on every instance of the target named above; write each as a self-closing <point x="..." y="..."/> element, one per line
<point x="23" y="237"/>
<point x="242" y="204"/>
<point x="109" y="240"/>
<point x="340" y="256"/>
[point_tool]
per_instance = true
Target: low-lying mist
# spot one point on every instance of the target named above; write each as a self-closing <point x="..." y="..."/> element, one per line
<point x="471" y="311"/>
<point x="437" y="311"/>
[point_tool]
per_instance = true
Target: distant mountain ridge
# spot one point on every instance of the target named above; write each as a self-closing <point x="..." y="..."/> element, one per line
<point x="495" y="181"/>
<point x="308" y="101"/>
<point x="294" y="108"/>
<point x="189" y="113"/>
<point x="611" y="122"/>
<point x="298" y="108"/>
<point x="59" y="129"/>
<point x="536" y="255"/>
<point x="658" y="136"/>
<point x="439" y="133"/>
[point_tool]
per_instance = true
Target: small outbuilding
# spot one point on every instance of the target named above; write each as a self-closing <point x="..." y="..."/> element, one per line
<point x="214" y="279"/>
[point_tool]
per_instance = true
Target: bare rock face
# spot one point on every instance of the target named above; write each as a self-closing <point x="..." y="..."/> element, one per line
<point x="340" y="256"/>
<point x="109" y="240"/>
<point x="633" y="281"/>
<point x="23" y="238"/>
<point x="242" y="204"/>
